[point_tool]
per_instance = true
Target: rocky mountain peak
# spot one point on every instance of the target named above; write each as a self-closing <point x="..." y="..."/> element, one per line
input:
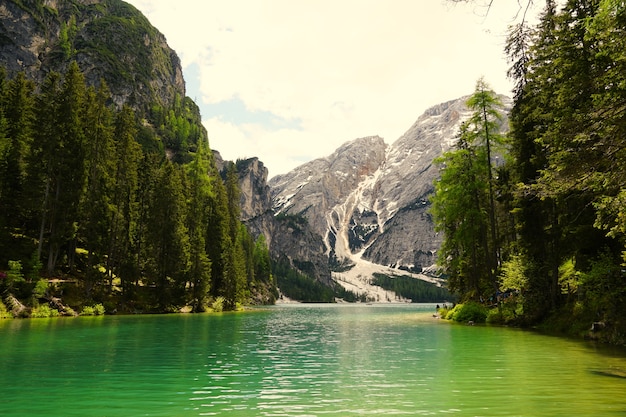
<point x="369" y="200"/>
<point x="109" y="39"/>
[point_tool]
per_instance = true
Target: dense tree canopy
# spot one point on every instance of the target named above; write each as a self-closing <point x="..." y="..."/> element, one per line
<point x="130" y="210"/>
<point x="563" y="186"/>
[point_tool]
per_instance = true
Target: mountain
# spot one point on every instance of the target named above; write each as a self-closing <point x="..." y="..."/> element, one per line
<point x="369" y="201"/>
<point x="109" y="39"/>
<point x="124" y="205"/>
<point x="288" y="238"/>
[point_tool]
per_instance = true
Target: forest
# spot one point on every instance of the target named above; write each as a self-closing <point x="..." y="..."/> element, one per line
<point x="535" y="220"/>
<point x="102" y="209"/>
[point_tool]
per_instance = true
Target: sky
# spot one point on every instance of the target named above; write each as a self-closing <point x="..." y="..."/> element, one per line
<point x="289" y="81"/>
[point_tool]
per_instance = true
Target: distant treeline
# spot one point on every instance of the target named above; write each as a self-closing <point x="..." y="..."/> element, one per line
<point x="301" y="287"/>
<point x="128" y="208"/>
<point x="417" y="290"/>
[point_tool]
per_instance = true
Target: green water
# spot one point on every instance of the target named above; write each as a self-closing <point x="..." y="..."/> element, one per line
<point x="315" y="360"/>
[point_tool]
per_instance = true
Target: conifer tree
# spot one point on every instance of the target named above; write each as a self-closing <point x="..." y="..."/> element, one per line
<point x="44" y="157"/>
<point x="124" y="215"/>
<point x="68" y="171"/>
<point x="168" y="242"/>
<point x="96" y="202"/>
<point x="199" y="194"/>
<point x="18" y="120"/>
<point x="464" y="203"/>
<point x="235" y="273"/>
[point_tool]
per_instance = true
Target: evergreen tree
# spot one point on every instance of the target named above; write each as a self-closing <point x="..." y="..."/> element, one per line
<point x="459" y="212"/>
<point x="123" y="259"/>
<point x="199" y="194"/>
<point x="218" y="239"/>
<point x="262" y="260"/>
<point x="464" y="205"/>
<point x="168" y="241"/>
<point x="96" y="203"/>
<point x="45" y="157"/>
<point x="18" y="131"/>
<point x="68" y="170"/>
<point x="235" y="272"/>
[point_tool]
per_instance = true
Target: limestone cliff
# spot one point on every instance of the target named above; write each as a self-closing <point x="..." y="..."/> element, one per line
<point x="369" y="200"/>
<point x="109" y="39"/>
<point x="290" y="238"/>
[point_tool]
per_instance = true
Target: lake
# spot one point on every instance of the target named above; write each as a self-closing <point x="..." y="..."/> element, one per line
<point x="301" y="360"/>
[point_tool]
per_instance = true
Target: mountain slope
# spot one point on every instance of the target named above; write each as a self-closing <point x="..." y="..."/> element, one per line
<point x="109" y="39"/>
<point x="369" y="201"/>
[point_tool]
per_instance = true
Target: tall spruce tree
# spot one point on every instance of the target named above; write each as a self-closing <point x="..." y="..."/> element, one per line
<point x="464" y="204"/>
<point x="199" y="192"/>
<point x="124" y="218"/>
<point x="16" y="125"/>
<point x="95" y="203"/>
<point x="68" y="170"/>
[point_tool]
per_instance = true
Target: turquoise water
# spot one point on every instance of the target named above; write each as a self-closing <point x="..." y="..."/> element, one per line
<point x="300" y="360"/>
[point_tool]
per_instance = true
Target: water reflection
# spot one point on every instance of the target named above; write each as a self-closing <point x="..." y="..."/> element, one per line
<point x="301" y="361"/>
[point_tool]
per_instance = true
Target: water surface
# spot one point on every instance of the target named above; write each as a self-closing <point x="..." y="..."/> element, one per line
<point x="301" y="360"/>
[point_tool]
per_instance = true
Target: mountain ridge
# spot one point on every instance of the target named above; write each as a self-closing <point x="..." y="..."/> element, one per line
<point x="370" y="200"/>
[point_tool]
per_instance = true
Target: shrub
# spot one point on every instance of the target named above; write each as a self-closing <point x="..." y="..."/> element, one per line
<point x="4" y="313"/>
<point x="14" y="274"/>
<point x="95" y="310"/>
<point x="218" y="305"/>
<point x="40" y="288"/>
<point x="99" y="310"/>
<point x="44" y="311"/>
<point x="87" y="311"/>
<point x="470" y="311"/>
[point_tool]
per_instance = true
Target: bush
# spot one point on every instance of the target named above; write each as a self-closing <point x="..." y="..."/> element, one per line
<point x="40" y="288"/>
<point x="95" y="310"/>
<point x="470" y="311"/>
<point x="99" y="310"/>
<point x="44" y="311"/>
<point x="4" y="313"/>
<point x="218" y="305"/>
<point x="88" y="311"/>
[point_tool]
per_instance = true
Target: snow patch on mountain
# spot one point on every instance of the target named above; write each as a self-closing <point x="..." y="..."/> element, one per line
<point x="369" y="201"/>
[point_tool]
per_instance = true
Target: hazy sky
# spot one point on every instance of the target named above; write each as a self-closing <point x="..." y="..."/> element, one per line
<point x="289" y="81"/>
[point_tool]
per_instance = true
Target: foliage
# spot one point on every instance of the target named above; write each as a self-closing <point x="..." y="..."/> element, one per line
<point x="41" y="287"/>
<point x="551" y="222"/>
<point x="94" y="310"/>
<point x="417" y="290"/>
<point x="299" y="286"/>
<point x="218" y="305"/>
<point x="466" y="312"/>
<point x="514" y="275"/>
<point x="14" y="274"/>
<point x="4" y="313"/>
<point x="464" y="204"/>
<point x="43" y="312"/>
<point x="88" y="192"/>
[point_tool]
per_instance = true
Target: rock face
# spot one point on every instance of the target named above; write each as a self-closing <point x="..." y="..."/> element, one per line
<point x="369" y="200"/>
<point x="286" y="237"/>
<point x="109" y="39"/>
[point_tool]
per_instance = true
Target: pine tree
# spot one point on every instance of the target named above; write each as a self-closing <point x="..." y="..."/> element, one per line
<point x="168" y="242"/>
<point x="18" y="125"/>
<point x="235" y="273"/>
<point x="96" y="201"/>
<point x="464" y="205"/>
<point x="44" y="158"/>
<point x="218" y="239"/>
<point x="199" y="194"/>
<point x="68" y="170"/>
<point x="124" y="215"/>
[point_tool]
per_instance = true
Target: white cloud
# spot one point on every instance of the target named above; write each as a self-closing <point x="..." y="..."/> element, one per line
<point x="342" y="68"/>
